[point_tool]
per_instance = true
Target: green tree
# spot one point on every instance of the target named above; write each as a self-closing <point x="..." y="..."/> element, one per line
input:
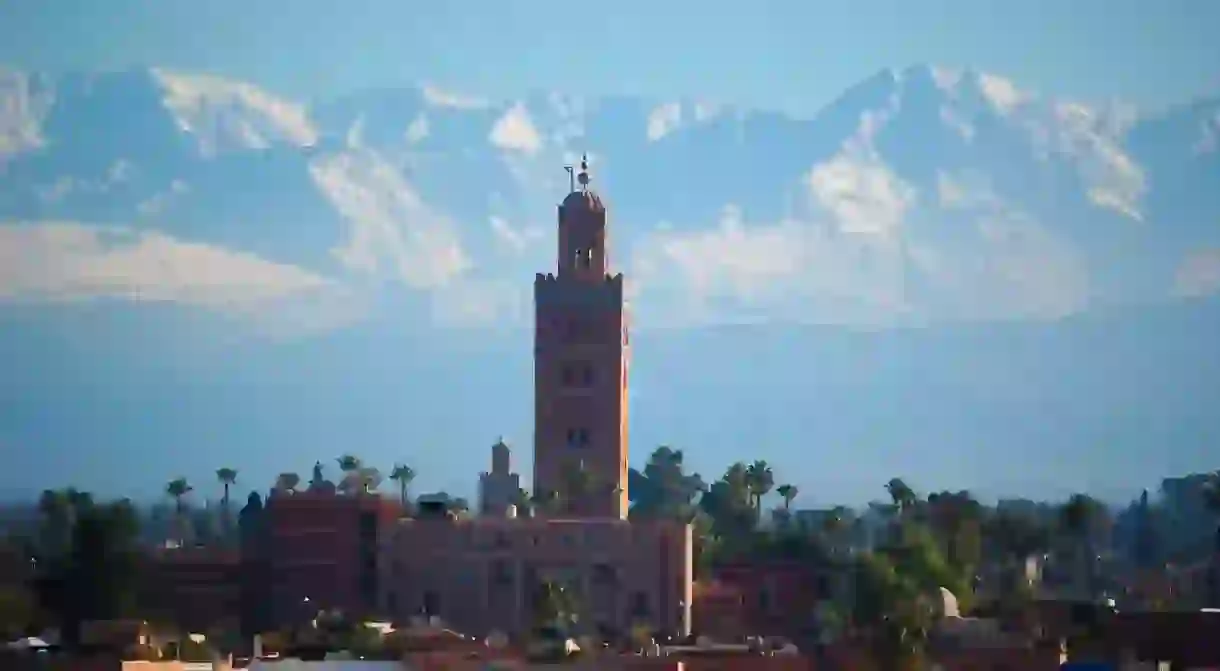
<point x="663" y="489"/>
<point x="760" y="480"/>
<point x="95" y="579"/>
<point x="17" y="611"/>
<point x="788" y="492"/>
<point x="349" y="462"/>
<point x="227" y="478"/>
<point x="956" y="519"/>
<point x="730" y="505"/>
<point x="286" y="483"/>
<point x="177" y="489"/>
<point x="402" y="475"/>
<point x="902" y="496"/>
<point x="891" y="609"/>
<point x="1013" y="538"/>
<point x="18" y="608"/>
<point x="351" y="481"/>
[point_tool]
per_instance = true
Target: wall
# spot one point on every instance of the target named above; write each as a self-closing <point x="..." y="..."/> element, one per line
<point x="772" y="598"/>
<point x="317" y="549"/>
<point x="346" y="665"/>
<point x="194" y="587"/>
<point x="100" y="663"/>
<point x="479" y="574"/>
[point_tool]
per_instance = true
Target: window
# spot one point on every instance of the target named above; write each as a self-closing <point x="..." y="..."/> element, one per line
<point x="639" y="605"/>
<point x="501" y="573"/>
<point x="432" y="603"/>
<point x="823" y="587"/>
<point x="764" y="599"/>
<point x="577" y="374"/>
<point x="604" y="575"/>
<point x="578" y="437"/>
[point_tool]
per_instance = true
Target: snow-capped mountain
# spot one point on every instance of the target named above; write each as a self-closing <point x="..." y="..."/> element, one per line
<point x="922" y="194"/>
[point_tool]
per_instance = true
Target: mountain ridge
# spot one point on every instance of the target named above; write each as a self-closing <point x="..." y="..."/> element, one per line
<point x="1044" y="248"/>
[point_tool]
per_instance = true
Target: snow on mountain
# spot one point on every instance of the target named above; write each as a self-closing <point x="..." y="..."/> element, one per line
<point x="923" y="194"/>
<point x="225" y="114"/>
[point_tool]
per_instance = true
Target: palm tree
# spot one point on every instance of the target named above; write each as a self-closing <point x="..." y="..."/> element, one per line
<point x="177" y="489"/>
<point x="901" y="494"/>
<point x="403" y="475"/>
<point x="227" y="478"/>
<point x="350" y="465"/>
<point x="760" y="480"/>
<point x="287" y="483"/>
<point x="789" y="492"/>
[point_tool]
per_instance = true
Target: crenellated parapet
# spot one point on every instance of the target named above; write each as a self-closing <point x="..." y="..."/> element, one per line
<point x="556" y="292"/>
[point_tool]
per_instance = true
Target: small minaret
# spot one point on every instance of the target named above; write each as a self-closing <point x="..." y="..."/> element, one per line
<point x="498" y="487"/>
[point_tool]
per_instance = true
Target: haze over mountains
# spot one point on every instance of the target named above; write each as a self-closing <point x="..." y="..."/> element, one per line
<point x="193" y="262"/>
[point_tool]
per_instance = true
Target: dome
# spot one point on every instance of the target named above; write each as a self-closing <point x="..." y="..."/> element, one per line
<point x="585" y="200"/>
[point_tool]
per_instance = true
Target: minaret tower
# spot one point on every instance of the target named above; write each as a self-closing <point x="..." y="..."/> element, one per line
<point x="580" y="365"/>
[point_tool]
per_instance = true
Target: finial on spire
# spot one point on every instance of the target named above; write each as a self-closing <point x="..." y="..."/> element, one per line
<point x="583" y="177"/>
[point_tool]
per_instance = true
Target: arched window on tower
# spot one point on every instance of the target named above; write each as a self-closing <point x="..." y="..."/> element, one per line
<point x="578" y="437"/>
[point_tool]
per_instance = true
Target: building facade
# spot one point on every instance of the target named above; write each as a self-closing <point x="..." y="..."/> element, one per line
<point x="772" y="598"/>
<point x="196" y="588"/>
<point x="310" y="550"/>
<point x="481" y="574"/>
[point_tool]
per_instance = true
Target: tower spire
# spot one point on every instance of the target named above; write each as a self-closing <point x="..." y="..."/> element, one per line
<point x="583" y="177"/>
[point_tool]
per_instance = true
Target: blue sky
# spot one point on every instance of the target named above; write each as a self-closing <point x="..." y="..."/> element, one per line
<point x="789" y="54"/>
<point x="115" y="393"/>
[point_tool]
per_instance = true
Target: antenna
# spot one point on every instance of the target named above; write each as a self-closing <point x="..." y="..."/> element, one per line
<point x="571" y="177"/>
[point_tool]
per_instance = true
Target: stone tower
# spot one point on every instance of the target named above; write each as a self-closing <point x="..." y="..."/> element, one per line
<point x="498" y="487"/>
<point x="580" y="366"/>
